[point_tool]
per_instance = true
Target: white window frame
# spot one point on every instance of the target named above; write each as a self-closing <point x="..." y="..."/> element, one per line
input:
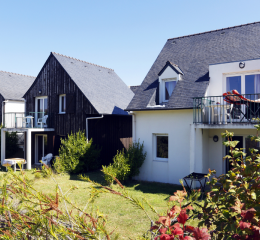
<point x="163" y="86"/>
<point x="155" y="135"/>
<point x="243" y="80"/>
<point x="60" y="103"/>
<point x="36" y="108"/>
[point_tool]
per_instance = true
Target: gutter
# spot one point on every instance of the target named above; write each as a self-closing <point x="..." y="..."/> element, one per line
<point x="154" y="109"/>
<point x="133" y="127"/>
<point x="87" y="124"/>
<point x="3" y="111"/>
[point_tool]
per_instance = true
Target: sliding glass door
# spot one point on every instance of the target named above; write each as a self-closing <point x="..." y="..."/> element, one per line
<point x="40" y="147"/>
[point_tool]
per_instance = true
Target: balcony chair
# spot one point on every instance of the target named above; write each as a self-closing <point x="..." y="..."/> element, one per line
<point x="236" y="99"/>
<point x="47" y="159"/>
<point x="27" y="121"/>
<point x="42" y="121"/>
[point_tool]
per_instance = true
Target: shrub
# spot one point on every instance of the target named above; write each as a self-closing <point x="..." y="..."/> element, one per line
<point x="120" y="168"/>
<point x="233" y="204"/>
<point x="136" y="156"/>
<point x="125" y="164"/>
<point x="76" y="154"/>
<point x="58" y="166"/>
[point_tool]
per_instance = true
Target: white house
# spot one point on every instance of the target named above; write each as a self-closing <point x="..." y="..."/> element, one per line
<point x="179" y="111"/>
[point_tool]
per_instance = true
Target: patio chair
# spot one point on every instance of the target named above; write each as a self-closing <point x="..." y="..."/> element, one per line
<point x="252" y="106"/>
<point x="42" y="121"/>
<point x="47" y="159"/>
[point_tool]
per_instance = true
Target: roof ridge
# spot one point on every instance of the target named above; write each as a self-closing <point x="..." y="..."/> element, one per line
<point x="17" y="74"/>
<point x="82" y="61"/>
<point x="221" y="29"/>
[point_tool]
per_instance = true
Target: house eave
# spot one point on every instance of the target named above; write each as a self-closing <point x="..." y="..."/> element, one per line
<point x="155" y="109"/>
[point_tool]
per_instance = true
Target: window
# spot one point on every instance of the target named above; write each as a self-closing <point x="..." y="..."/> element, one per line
<point x="234" y="83"/>
<point x="245" y="84"/>
<point x="41" y="109"/>
<point x="161" y="147"/>
<point x="62" y="104"/>
<point x="252" y="86"/>
<point x="169" y="86"/>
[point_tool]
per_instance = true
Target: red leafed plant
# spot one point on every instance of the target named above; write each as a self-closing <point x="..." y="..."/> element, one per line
<point x="232" y="207"/>
<point x="165" y="229"/>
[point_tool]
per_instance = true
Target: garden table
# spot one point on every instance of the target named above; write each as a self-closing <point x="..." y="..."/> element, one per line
<point x="196" y="177"/>
<point x="13" y="161"/>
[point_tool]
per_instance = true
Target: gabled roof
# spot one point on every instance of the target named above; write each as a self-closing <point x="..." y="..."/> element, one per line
<point x="193" y="54"/>
<point x="14" y="85"/>
<point x="173" y="66"/>
<point x="102" y="86"/>
<point x="134" y="88"/>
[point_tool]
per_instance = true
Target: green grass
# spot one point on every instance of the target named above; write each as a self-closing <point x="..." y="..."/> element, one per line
<point x="129" y="221"/>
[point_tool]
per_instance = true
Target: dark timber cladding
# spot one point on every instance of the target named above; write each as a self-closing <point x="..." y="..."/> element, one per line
<point x="53" y="80"/>
<point x="111" y="133"/>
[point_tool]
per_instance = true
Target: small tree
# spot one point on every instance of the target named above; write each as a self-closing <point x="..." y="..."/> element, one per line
<point x="76" y="154"/>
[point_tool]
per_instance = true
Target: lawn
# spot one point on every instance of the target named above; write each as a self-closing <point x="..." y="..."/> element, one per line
<point x="130" y="222"/>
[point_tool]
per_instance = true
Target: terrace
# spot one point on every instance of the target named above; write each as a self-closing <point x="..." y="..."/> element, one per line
<point x="27" y="120"/>
<point x="232" y="108"/>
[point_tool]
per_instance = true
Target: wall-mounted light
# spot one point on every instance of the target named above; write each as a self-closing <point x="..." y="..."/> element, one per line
<point x="242" y="64"/>
<point x="40" y="91"/>
<point x="215" y="138"/>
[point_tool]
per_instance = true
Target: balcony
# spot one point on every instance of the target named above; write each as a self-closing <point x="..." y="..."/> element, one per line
<point x="232" y="108"/>
<point x="27" y="120"/>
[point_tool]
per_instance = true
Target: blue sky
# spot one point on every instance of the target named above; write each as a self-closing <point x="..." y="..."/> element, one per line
<point x="125" y="35"/>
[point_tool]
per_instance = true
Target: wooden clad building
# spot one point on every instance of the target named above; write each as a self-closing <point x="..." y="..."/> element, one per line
<point x="70" y="92"/>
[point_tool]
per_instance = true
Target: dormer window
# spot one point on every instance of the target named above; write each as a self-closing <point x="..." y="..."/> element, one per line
<point x="168" y="78"/>
<point x="168" y="85"/>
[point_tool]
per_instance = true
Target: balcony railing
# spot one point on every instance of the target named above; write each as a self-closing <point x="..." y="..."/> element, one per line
<point x="234" y="108"/>
<point x="27" y="120"/>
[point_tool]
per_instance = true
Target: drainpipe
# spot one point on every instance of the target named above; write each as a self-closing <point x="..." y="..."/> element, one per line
<point x="87" y="124"/>
<point x="133" y="126"/>
<point x="24" y="107"/>
<point x="3" y="111"/>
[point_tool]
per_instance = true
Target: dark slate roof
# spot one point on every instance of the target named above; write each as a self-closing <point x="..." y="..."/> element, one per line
<point x="102" y="86"/>
<point x="13" y="85"/>
<point x="193" y="54"/>
<point x="134" y="88"/>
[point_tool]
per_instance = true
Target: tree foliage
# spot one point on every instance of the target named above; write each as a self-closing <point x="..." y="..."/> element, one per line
<point x="77" y="155"/>
<point x="125" y="164"/>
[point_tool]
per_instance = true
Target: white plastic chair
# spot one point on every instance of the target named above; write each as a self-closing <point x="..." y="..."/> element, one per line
<point x="43" y="120"/>
<point x="47" y="159"/>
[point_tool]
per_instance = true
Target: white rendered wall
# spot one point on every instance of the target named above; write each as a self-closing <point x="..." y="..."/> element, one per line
<point x="217" y="150"/>
<point x="14" y="106"/>
<point x="175" y="123"/>
<point x="219" y="72"/>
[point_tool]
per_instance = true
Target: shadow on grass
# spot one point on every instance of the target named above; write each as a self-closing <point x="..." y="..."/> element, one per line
<point x="95" y="176"/>
<point x="143" y="186"/>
